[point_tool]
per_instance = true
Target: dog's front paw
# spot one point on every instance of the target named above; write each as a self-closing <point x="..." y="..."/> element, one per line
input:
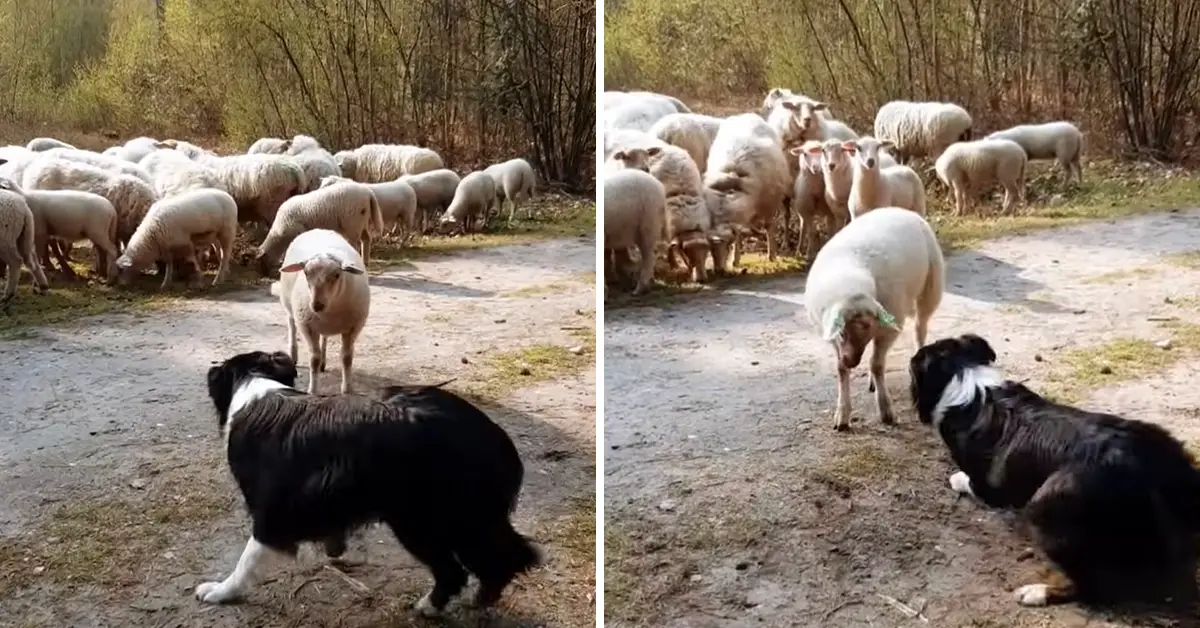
<point x="1031" y="595"/>
<point x="216" y="593"/>
<point x="961" y="483"/>
<point x="425" y="607"/>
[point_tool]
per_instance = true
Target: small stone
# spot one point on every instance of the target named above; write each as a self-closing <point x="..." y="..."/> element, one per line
<point x="1106" y="370"/>
<point x="742" y="565"/>
<point x="501" y="320"/>
<point x="1037" y="357"/>
<point x="526" y="371"/>
<point x="667" y="505"/>
<point x="754" y="363"/>
<point x="696" y="577"/>
<point x="39" y="569"/>
<point x="465" y="360"/>
<point x="168" y="555"/>
<point x="575" y="350"/>
<point x="1168" y="300"/>
<point x="1163" y="344"/>
<point x="138" y="484"/>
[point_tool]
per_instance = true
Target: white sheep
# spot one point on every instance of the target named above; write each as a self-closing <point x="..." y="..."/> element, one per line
<point x="620" y="139"/>
<point x="875" y="186"/>
<point x="746" y="165"/>
<point x="515" y="181"/>
<point x="111" y="164"/>
<point x="634" y="215"/>
<point x="174" y="228"/>
<point x="468" y="210"/>
<point x="921" y="129"/>
<point x="640" y="110"/>
<point x="129" y="195"/>
<point x="69" y="216"/>
<point x="871" y="276"/>
<point x="968" y="167"/>
<point x="397" y="204"/>
<point x="172" y="172"/>
<point x="350" y="208"/>
<point x="798" y="118"/>
<point x="189" y="150"/>
<point x="259" y="183"/>
<point x="692" y="132"/>
<point x="1061" y="141"/>
<point x="376" y="163"/>
<point x="808" y="196"/>
<point x="316" y="162"/>
<point x="40" y="144"/>
<point x="323" y="288"/>
<point x="17" y="245"/>
<point x="434" y="189"/>
<point x="134" y="150"/>
<point x="273" y="145"/>
<point x="614" y="98"/>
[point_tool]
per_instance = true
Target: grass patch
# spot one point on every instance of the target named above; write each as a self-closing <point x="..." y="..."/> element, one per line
<point x="563" y="593"/>
<point x="860" y="461"/>
<point x="1087" y="369"/>
<point x="105" y="541"/>
<point x="512" y="370"/>
<point x="534" y="291"/>
<point x="1186" y="259"/>
<point x="671" y="285"/>
<point x="1121" y="276"/>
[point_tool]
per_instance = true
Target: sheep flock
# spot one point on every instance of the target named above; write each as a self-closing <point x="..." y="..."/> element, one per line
<point x="176" y="207"/>
<point x="793" y="163"/>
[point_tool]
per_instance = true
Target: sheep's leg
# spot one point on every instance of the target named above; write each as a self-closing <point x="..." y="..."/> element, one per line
<point x="806" y="236"/>
<point x="13" y="264"/>
<point x="883" y="342"/>
<point x="225" y="252"/>
<point x="771" y="245"/>
<point x="324" y="346"/>
<point x="293" y="349"/>
<point x="737" y="249"/>
<point x="40" y="285"/>
<point x="167" y="272"/>
<point x="841" y="413"/>
<point x="314" y="356"/>
<point x="348" y="357"/>
<point x="42" y="245"/>
<point x="512" y="208"/>
<point x="672" y="258"/>
<point x="366" y="249"/>
<point x="646" y="270"/>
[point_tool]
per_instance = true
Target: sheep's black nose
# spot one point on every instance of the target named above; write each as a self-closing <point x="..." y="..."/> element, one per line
<point x="832" y="167"/>
<point x="318" y="306"/>
<point x="870" y="163"/>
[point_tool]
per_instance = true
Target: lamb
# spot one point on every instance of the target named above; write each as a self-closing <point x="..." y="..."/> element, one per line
<point x="110" y="164"/>
<point x="808" y="196"/>
<point x="259" y="183"/>
<point x="864" y="283"/>
<point x="172" y="172"/>
<point x="634" y="215"/>
<point x="515" y="181"/>
<point x="746" y="165"/>
<point x="348" y="208"/>
<point x="397" y="203"/>
<point x="967" y="167"/>
<point x="619" y="139"/>
<point x="1062" y="141"/>
<point x="17" y="245"/>
<point x="330" y="296"/>
<point x="40" y="144"/>
<point x="874" y="186"/>
<point x="68" y="215"/>
<point x="273" y="145"/>
<point x="475" y="194"/>
<point x="922" y="129"/>
<point x="129" y="195"/>
<point x="434" y="189"/>
<point x="692" y="132"/>
<point x="376" y="163"/>
<point x="175" y="226"/>
<point x="639" y="111"/>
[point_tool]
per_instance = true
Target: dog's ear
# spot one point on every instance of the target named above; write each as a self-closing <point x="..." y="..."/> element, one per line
<point x="284" y="367"/>
<point x="978" y="348"/>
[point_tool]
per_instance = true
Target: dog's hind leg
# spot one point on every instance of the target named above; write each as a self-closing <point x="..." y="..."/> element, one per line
<point x="496" y="556"/>
<point x="431" y="548"/>
<point x="239" y="582"/>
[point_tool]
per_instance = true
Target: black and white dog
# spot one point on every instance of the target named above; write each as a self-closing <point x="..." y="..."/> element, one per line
<point x="423" y="461"/>
<point x="1113" y="503"/>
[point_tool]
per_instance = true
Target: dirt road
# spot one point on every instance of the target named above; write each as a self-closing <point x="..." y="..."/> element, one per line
<point x="115" y="500"/>
<point x="731" y="501"/>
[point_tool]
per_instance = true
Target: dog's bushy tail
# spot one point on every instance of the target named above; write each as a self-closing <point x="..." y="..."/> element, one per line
<point x="499" y="552"/>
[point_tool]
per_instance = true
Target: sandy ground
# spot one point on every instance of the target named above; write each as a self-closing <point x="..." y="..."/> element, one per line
<point x="731" y="501"/>
<point x="115" y="501"/>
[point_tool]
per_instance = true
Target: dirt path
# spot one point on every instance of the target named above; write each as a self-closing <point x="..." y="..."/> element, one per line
<point x="115" y="500"/>
<point x="730" y="500"/>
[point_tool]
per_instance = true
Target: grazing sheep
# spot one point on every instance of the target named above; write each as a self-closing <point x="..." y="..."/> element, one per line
<point x="316" y="162"/>
<point x="864" y="283"/>
<point x="175" y="226"/>
<point x="874" y="186"/>
<point x="349" y="208"/>
<point x="259" y="183"/>
<point x="747" y="166"/>
<point x="397" y="203"/>
<point x="515" y="181"/>
<point x="692" y="132"/>
<point x="111" y="164"/>
<point x="968" y="167"/>
<point x="69" y="216"/>
<point x="376" y="163"/>
<point x="129" y="195"/>
<point x="639" y="111"/>
<point x="921" y="129"/>
<point x="273" y="145"/>
<point x="40" y="144"/>
<point x="172" y="172"/>
<point x="469" y="208"/>
<point x="323" y="287"/>
<point x="435" y="190"/>
<point x="612" y="99"/>
<point x="17" y="234"/>
<point x="1061" y="141"/>
<point x="634" y="215"/>
<point x="808" y="197"/>
<point x="191" y="151"/>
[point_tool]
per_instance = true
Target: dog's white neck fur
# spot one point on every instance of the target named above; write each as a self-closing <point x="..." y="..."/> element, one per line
<point x="248" y="392"/>
<point x="965" y="386"/>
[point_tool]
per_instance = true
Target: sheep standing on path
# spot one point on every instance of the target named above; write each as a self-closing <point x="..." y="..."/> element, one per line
<point x="808" y="197"/>
<point x="515" y="182"/>
<point x="1061" y="141"/>
<point x="968" y="167"/>
<point x="68" y="216"/>
<point x="323" y="288"/>
<point x="865" y="282"/>
<point x="634" y="215"/>
<point x="17" y="233"/>
<point x="468" y="209"/>
<point x="874" y="186"/>
<point x="922" y="129"/>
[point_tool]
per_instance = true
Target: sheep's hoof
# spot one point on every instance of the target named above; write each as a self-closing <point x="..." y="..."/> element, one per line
<point x="841" y="427"/>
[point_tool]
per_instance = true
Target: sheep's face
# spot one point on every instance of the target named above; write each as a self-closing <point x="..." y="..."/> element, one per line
<point x="637" y="158"/>
<point x="325" y="276"/>
<point x="809" y="153"/>
<point x="804" y="114"/>
<point x="694" y="246"/>
<point x="865" y="151"/>
<point x="857" y="332"/>
<point x="9" y="184"/>
<point x="346" y="163"/>
<point x="834" y="156"/>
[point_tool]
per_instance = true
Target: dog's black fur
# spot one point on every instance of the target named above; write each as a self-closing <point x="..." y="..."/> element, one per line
<point x="421" y="460"/>
<point x="1114" y="503"/>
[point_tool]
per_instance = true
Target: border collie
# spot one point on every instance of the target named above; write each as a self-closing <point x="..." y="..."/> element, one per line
<point x="1113" y="503"/>
<point x="422" y="460"/>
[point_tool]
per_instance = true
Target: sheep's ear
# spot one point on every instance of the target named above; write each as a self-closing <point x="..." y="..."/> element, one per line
<point x="620" y="155"/>
<point x="832" y="324"/>
<point x="124" y="262"/>
<point x="653" y="150"/>
<point x="3" y="161"/>
<point x="885" y="318"/>
<point x="775" y="93"/>
<point x="887" y="144"/>
<point x="820" y="106"/>
<point x="293" y="267"/>
<point x="787" y="104"/>
<point x="352" y="268"/>
<point x="850" y="147"/>
<point x="798" y="150"/>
